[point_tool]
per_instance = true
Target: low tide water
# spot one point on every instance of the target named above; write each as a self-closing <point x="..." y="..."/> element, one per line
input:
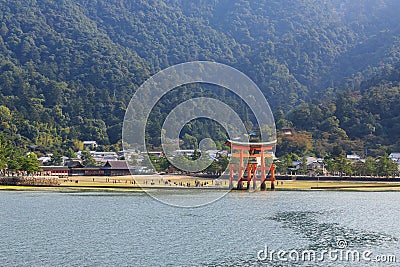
<point x="133" y="229"/>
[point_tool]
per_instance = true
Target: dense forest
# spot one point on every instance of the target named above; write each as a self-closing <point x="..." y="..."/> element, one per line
<point x="330" y="69"/>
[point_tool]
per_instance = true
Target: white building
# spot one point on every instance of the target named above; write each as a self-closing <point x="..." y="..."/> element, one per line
<point x="395" y="157"/>
<point x="44" y="159"/>
<point x="185" y="152"/>
<point x="154" y="153"/>
<point x="101" y="156"/>
<point x="90" y="144"/>
<point x="353" y="157"/>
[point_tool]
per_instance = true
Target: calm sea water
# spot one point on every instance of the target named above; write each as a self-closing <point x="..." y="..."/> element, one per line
<point x="132" y="229"/>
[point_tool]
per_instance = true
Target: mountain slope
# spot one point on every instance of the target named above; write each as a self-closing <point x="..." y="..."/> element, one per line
<point x="69" y="68"/>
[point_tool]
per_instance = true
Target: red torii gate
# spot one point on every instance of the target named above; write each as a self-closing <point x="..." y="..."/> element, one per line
<point x="252" y="151"/>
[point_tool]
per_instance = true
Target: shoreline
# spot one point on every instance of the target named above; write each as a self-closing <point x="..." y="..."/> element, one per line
<point x="142" y="184"/>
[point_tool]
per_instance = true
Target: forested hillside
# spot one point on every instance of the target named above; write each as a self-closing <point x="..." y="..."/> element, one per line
<point x="330" y="69"/>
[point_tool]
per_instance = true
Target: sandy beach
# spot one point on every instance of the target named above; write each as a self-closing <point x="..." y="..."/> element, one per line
<point x="139" y="183"/>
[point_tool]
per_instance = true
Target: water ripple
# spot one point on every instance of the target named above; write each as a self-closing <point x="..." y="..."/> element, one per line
<point x="324" y="235"/>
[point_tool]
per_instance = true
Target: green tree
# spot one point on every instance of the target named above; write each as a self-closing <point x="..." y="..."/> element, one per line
<point x="160" y="163"/>
<point x="70" y="153"/>
<point x="286" y="161"/>
<point x="29" y="163"/>
<point x="5" y="150"/>
<point x="303" y="166"/>
<point x="369" y="166"/>
<point x="331" y="166"/>
<point x="223" y="162"/>
<point x="345" y="167"/>
<point x="338" y="152"/>
<point x="56" y="159"/>
<point x="196" y="154"/>
<point x="133" y="160"/>
<point x="5" y="118"/>
<point x="87" y="159"/>
<point x="386" y="167"/>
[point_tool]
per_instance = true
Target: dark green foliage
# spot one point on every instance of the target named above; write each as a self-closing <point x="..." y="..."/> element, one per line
<point x="87" y="159"/>
<point x="29" y="163"/>
<point x="68" y="68"/>
<point x="6" y="150"/>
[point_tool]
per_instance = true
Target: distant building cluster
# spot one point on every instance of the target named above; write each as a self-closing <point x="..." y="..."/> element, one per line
<point x="101" y="157"/>
<point x="109" y="163"/>
<point x="313" y="163"/>
<point x="212" y="154"/>
<point x="113" y="163"/>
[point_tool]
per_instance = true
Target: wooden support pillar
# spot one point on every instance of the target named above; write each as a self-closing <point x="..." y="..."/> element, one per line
<point x="240" y="184"/>
<point x="263" y="187"/>
<point x="241" y="170"/>
<point x="241" y="167"/>
<point x="254" y="173"/>
<point x="263" y="174"/>
<point x="273" y="172"/>
<point x="272" y="169"/>
<point x="231" y="173"/>
<point x="249" y="170"/>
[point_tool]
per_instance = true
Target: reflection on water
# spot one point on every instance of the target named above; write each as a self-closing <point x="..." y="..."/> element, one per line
<point x="187" y="198"/>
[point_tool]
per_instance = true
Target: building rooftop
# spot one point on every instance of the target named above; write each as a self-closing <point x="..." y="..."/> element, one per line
<point x="353" y="157"/>
<point x="59" y="168"/>
<point x="394" y="155"/>
<point x="89" y="142"/>
<point x="116" y="164"/>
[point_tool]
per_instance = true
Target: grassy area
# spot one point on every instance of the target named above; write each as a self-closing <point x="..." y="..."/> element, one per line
<point x="337" y="185"/>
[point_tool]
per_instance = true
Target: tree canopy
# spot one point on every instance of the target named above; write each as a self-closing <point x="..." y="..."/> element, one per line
<point x="330" y="69"/>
